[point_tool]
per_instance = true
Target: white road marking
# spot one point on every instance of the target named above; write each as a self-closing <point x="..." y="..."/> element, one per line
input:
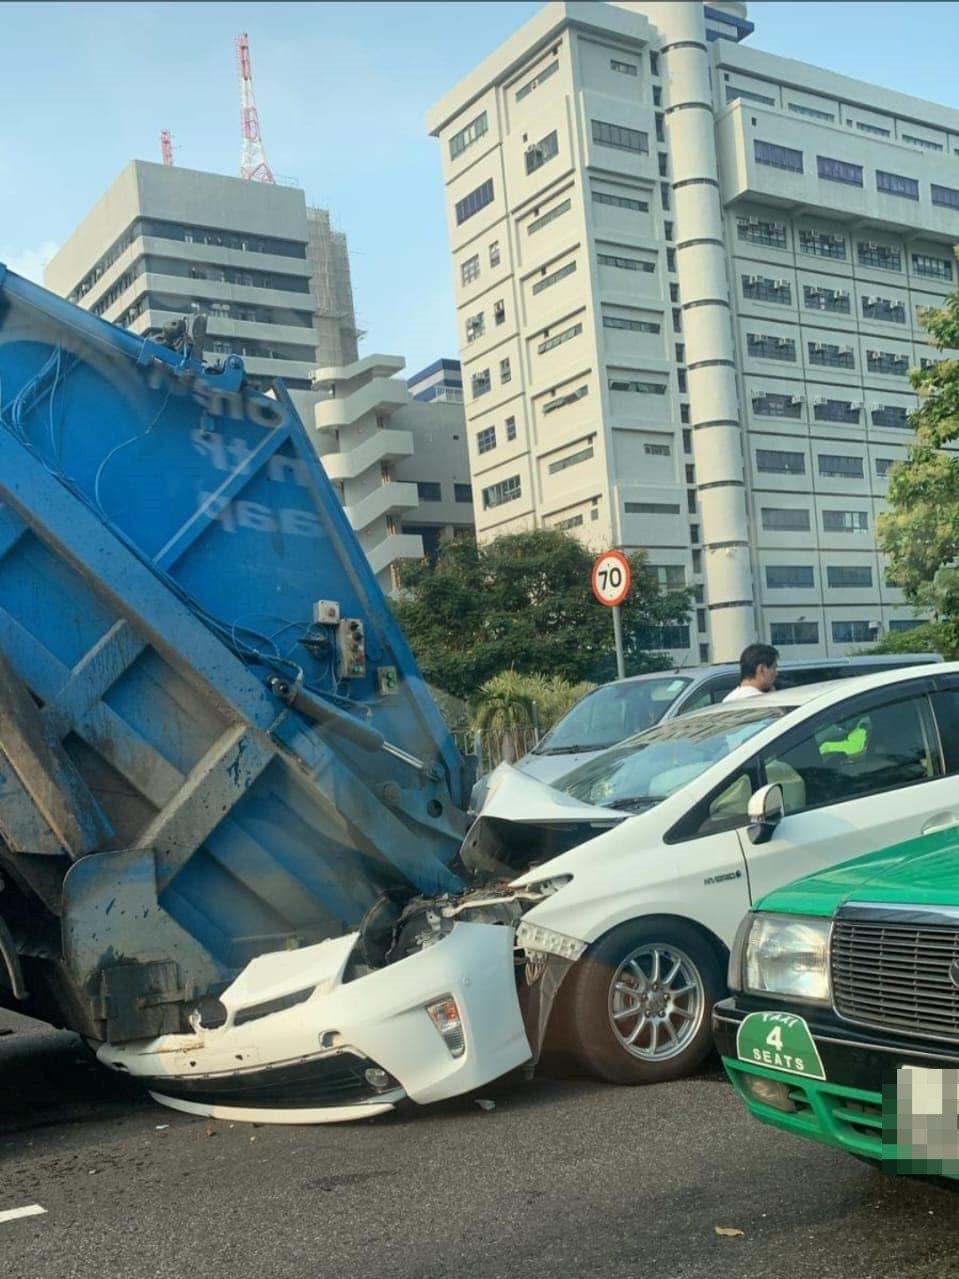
<point x="31" y="1210"/>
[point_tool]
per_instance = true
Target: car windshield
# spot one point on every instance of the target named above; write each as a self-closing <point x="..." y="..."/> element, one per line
<point x="644" y="770"/>
<point x="609" y="714"/>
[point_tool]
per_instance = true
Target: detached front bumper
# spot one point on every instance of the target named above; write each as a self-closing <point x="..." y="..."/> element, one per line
<point x="302" y="1045"/>
<point x="855" y="1106"/>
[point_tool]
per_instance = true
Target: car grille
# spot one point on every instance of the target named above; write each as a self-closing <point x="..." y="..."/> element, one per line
<point x="896" y="974"/>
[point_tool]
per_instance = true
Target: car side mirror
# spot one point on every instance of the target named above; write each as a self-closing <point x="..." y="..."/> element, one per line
<point x="765" y="811"/>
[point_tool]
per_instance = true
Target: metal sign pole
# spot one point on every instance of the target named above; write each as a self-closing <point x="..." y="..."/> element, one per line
<point x="618" y="641"/>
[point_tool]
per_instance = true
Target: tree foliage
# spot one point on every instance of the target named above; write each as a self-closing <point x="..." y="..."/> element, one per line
<point x="524" y="603"/>
<point x="920" y="530"/>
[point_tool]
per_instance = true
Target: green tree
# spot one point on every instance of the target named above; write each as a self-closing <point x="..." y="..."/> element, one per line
<point x="523" y="602"/>
<point x="920" y="530"/>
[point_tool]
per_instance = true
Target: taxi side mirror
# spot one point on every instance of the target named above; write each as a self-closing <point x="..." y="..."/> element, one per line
<point x="765" y="811"/>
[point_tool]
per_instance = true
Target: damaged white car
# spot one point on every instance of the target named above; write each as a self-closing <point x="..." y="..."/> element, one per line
<point x="601" y="918"/>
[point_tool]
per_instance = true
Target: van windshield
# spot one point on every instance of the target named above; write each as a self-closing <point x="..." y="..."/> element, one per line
<point x="648" y="768"/>
<point x="608" y="714"/>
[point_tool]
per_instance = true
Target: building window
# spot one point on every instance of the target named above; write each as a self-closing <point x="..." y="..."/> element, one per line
<point x="505" y="372"/>
<point x="662" y="160"/>
<point x="548" y="281"/>
<point x="947" y="196"/>
<point x="671" y="577"/>
<point x="510" y="429"/>
<point x="899" y="624"/>
<point x="839" y="171"/>
<point x="896" y="184"/>
<point x="472" y="203"/>
<point x="780" y="463"/>
<point x="826" y="410"/>
<point x="486" y="439"/>
<point x="684" y="414"/>
<point x="811" y="112"/>
<point x="763" y="346"/>
<point x="665" y="637"/>
<point x="657" y="95"/>
<point x="834" y="465"/>
<point x="574" y="459"/>
<point x="499" y="312"/>
<point x="634" y="326"/>
<point x="494" y="256"/>
<point x="777" y="157"/>
<point x="657" y="450"/>
<point x="641" y="388"/>
<point x="625" y="264"/>
<point x="733" y="94"/>
<point x="889" y="415"/>
<point x="539" y="223"/>
<point x="660" y="122"/>
<point x="475" y="327"/>
<point x="823" y="244"/>
<point x="757" y="231"/>
<point x="855" y="576"/>
<point x="621" y="202"/>
<point x="429" y="491"/>
<point x="926" y="264"/>
<point x="654" y="62"/>
<point x="624" y="68"/>
<point x="884" y="309"/>
<point x="888" y="363"/>
<point x="505" y="491"/>
<point x="781" y="577"/>
<point x="921" y="142"/>
<point x="829" y="355"/>
<point x="536" y="81"/>
<point x="664" y="195"/>
<point x="651" y="508"/>
<point x="463" y="492"/>
<point x="470" y="269"/>
<point x="845" y="521"/>
<point x="671" y="260"/>
<point x="772" y="405"/>
<point x="573" y="521"/>
<point x="559" y="338"/>
<point x="538" y="153"/>
<point x="776" y="519"/>
<point x="467" y="136"/>
<point x="481" y="383"/>
<point x="853" y="632"/>
<point x="786" y="633"/>
<point x="883" y="466"/>
<point x="818" y="298"/>
<point x="619" y="137"/>
<point x="760" y="288"/>
<point x="879" y="255"/>
<point x="875" y="130"/>
<point x="559" y="401"/>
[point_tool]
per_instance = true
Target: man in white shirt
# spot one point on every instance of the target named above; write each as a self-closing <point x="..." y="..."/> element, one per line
<point x="758" y="668"/>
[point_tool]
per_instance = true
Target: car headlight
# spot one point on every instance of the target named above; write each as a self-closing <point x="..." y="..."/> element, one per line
<point x="787" y="955"/>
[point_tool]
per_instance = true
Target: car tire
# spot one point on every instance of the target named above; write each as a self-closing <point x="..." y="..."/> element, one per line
<point x="636" y="1008"/>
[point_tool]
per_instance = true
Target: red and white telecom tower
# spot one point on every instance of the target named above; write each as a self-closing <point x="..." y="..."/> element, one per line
<point x="253" y="163"/>
<point x="166" y="146"/>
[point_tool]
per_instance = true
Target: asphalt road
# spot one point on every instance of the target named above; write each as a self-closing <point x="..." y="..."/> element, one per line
<point x="561" y="1178"/>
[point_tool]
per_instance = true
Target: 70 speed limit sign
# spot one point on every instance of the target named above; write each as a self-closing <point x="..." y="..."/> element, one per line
<point x="611" y="578"/>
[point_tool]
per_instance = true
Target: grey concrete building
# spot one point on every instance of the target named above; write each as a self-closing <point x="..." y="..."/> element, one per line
<point x="687" y="275"/>
<point x="270" y="273"/>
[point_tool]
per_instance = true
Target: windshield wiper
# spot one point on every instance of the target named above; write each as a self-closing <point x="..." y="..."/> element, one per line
<point x="572" y="750"/>
<point x="635" y="805"/>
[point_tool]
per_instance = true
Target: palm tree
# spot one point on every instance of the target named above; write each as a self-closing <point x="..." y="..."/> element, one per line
<point x="511" y="706"/>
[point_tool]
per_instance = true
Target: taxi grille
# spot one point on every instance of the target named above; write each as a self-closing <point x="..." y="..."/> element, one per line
<point x="896" y="974"/>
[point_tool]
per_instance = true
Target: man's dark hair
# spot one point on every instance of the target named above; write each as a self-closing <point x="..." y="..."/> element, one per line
<point x="756" y="655"/>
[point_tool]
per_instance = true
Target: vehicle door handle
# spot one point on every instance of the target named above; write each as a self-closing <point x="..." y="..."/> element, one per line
<point x="942" y="821"/>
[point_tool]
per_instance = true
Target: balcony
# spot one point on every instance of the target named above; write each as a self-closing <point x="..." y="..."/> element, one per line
<point x="384" y="446"/>
<point x="398" y="546"/>
<point x="391" y="497"/>
<point x="381" y="395"/>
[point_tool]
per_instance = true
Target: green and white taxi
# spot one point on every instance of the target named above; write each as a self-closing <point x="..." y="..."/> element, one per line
<point x="843" y="1025"/>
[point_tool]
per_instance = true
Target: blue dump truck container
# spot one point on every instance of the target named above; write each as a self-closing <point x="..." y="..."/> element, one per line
<point x="214" y="740"/>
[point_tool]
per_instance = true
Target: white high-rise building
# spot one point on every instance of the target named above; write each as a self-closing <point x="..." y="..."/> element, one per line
<point x="687" y="275"/>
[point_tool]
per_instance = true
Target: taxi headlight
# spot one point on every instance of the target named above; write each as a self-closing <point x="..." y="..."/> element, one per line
<point x="787" y="955"/>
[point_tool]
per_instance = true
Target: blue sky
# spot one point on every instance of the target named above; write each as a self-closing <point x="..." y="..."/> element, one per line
<point x="342" y="90"/>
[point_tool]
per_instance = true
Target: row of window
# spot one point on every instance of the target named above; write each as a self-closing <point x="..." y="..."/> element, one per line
<point x="476" y="324"/>
<point x="432" y="491"/>
<point x="772" y="234"/>
<point x="831" y="465"/>
<point x="763" y="346"/>
<point x="803" y="577"/>
<point x="773" y="404"/>
<point x="481" y="382"/>
<point x="761" y="288"/>
<point x="486" y="438"/>
<point x="851" y="632"/>
<point x="797" y="520"/>
<point x="834" y="170"/>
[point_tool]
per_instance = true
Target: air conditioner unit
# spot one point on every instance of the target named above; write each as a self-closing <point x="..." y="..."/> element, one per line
<point x="753" y="279"/>
<point x="820" y="400"/>
<point x="878" y="408"/>
<point x="782" y="284"/>
<point x="868" y="301"/>
<point x="795" y="399"/>
<point x="857" y="404"/>
<point x="815" y="346"/>
<point x="783" y="341"/>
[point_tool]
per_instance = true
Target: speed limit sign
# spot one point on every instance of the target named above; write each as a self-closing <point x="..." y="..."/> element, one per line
<point x="611" y="578"/>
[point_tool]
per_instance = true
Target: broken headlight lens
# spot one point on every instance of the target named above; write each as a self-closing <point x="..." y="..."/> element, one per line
<point x="535" y="939"/>
<point x="445" y="1016"/>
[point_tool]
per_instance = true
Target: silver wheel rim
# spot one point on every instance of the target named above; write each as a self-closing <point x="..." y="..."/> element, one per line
<point x="656" y="1002"/>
